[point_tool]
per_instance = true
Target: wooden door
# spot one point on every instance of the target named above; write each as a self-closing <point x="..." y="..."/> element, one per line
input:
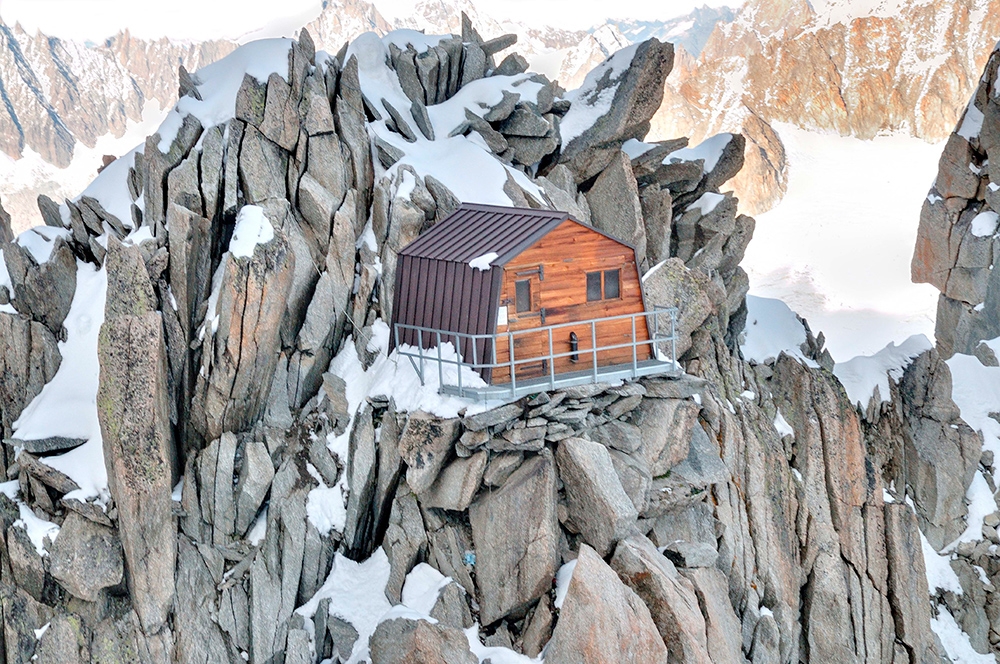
<point x="525" y="312"/>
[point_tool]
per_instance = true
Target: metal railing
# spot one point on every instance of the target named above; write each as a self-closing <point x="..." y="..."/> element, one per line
<point x="655" y="346"/>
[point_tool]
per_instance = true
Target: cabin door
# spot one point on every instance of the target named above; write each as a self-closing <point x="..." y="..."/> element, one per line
<point x="525" y="312"/>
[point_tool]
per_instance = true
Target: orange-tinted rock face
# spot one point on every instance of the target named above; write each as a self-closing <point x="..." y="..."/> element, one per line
<point x="911" y="70"/>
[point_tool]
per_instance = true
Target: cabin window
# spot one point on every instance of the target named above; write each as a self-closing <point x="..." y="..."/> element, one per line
<point x="593" y="286"/>
<point x="603" y="285"/>
<point x="611" y="290"/>
<point x="522" y="292"/>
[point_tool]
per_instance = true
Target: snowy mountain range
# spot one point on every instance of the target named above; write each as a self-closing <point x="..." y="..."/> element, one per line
<point x="736" y="70"/>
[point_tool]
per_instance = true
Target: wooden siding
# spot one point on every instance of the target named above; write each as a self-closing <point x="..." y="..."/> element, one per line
<point x="560" y="262"/>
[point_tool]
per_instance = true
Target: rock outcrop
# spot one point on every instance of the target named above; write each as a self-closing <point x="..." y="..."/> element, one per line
<point x="956" y="242"/>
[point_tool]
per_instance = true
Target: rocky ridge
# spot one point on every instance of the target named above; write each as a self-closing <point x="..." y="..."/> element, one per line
<point x="324" y="512"/>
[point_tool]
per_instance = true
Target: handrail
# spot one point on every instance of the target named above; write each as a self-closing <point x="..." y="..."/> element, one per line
<point x="633" y="369"/>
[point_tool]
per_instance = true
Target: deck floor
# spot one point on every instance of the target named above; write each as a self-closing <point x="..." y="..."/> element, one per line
<point x="507" y="391"/>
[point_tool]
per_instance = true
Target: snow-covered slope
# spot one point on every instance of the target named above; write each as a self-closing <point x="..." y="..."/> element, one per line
<point x="837" y="248"/>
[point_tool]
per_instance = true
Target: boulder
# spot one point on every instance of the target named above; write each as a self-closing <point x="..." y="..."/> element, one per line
<point x="941" y="451"/>
<point x="406" y="641"/>
<point x="425" y="445"/>
<point x="29" y="359"/>
<point x="615" y="207"/>
<point x="670" y="597"/>
<point x="86" y="557"/>
<point x="240" y="342"/>
<point x="42" y="291"/>
<point x="672" y="284"/>
<point x="255" y="477"/>
<point x="516" y="537"/>
<point x="598" y="505"/>
<point x="405" y="540"/>
<point x="666" y="426"/>
<point x="457" y="483"/>
<point x="637" y="93"/>
<point x="603" y="620"/>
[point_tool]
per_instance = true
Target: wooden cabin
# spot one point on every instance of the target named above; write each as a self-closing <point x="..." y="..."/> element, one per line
<point x="511" y="274"/>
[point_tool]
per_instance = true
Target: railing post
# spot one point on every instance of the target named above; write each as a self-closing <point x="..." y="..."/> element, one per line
<point x="552" y="364"/>
<point x="635" y="351"/>
<point x="673" y="337"/>
<point x="513" y="377"/>
<point x="440" y="361"/>
<point x="420" y="354"/>
<point x="593" y="345"/>
<point x="458" y="367"/>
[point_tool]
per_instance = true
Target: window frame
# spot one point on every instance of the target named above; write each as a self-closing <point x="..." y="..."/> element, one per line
<point x="601" y="278"/>
<point x="517" y="296"/>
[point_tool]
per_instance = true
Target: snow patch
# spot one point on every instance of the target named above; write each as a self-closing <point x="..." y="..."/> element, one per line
<point x="972" y="123"/>
<point x="636" y="148"/>
<point x="709" y="151"/>
<point x="67" y="405"/>
<point x="707" y="203"/>
<point x="955" y="641"/>
<point x="861" y="375"/>
<point x="39" y="530"/>
<point x="220" y="83"/>
<point x="259" y="528"/>
<point x="110" y="187"/>
<point x="357" y="595"/>
<point x="40" y="241"/>
<point x="422" y="587"/>
<point x="985" y="224"/>
<point x="563" y="577"/>
<point x="772" y="328"/>
<point x="483" y="263"/>
<point x="326" y="507"/>
<point x="782" y="426"/>
<point x="252" y="228"/>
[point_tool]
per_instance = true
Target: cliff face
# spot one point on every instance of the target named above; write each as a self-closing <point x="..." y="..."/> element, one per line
<point x="957" y="244"/>
<point x="213" y="307"/>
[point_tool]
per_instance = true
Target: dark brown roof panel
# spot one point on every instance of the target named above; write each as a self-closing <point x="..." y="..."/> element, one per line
<point x="475" y="230"/>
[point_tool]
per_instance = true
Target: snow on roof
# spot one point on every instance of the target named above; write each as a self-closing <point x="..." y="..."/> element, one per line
<point x="484" y="262"/>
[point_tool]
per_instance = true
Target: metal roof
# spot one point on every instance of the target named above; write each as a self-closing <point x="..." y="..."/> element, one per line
<point x="474" y="230"/>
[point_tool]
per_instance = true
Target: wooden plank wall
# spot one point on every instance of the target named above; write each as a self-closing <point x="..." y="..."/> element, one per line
<point x="567" y="254"/>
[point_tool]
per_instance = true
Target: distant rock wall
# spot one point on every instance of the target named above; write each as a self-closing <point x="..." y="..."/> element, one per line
<point x="907" y="71"/>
